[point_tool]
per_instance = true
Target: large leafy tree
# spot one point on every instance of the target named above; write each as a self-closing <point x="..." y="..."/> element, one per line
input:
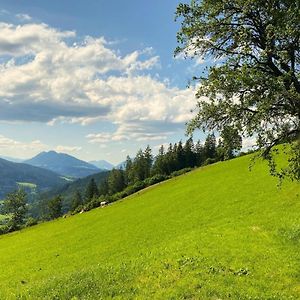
<point x="255" y="86"/>
<point x="231" y="142"/>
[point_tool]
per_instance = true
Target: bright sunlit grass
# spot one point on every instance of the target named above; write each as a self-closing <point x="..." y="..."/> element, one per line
<point x="219" y="232"/>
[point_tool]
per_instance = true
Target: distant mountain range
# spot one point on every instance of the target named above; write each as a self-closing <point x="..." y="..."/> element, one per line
<point x="63" y="164"/>
<point x="102" y="164"/>
<point x="14" y="175"/>
<point x="50" y="172"/>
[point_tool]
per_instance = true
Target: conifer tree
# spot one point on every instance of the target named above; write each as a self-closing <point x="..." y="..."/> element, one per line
<point x="55" y="207"/>
<point x="210" y="146"/>
<point x="91" y="191"/>
<point x="15" y="205"/>
<point x="116" y="181"/>
<point x="77" y="200"/>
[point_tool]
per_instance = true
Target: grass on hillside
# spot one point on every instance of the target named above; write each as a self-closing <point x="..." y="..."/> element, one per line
<point x="70" y="179"/>
<point x="27" y="185"/>
<point x="220" y="232"/>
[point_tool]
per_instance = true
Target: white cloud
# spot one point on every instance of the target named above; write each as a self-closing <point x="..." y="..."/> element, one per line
<point x="27" y="39"/>
<point x="157" y="147"/>
<point x="52" y="77"/>
<point x="249" y="142"/>
<point x="199" y="61"/>
<point x="23" y="17"/>
<point x="11" y="147"/>
<point x="67" y="149"/>
<point x="192" y="52"/>
<point x="136" y="130"/>
<point x="99" y="138"/>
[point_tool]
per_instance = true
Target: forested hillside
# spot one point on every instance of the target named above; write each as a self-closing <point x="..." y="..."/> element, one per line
<point x="14" y="175"/>
<point x="69" y="190"/>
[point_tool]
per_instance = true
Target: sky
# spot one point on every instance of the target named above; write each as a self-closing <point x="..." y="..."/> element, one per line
<point x="95" y="79"/>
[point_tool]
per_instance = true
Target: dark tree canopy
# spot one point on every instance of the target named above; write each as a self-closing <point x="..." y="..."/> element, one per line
<point x="116" y="181"/>
<point x="255" y="87"/>
<point x="15" y="205"/>
<point x="91" y="190"/>
<point x="55" y="207"/>
<point x="76" y="200"/>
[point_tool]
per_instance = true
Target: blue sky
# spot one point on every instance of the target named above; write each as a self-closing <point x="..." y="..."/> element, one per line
<point x="95" y="79"/>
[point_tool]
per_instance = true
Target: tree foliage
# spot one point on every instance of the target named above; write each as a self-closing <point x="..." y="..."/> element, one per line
<point x="77" y="200"/>
<point x="91" y="190"/>
<point x="55" y="207"/>
<point x="255" y="87"/>
<point x="15" y="205"/>
<point x="144" y="170"/>
<point x="116" y="181"/>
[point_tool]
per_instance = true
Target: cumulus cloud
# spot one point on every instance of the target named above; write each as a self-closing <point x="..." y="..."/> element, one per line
<point x="12" y="147"/>
<point x="51" y="76"/>
<point x="23" y="17"/>
<point x="8" y="145"/>
<point x="192" y="52"/>
<point x="27" y="39"/>
<point x="138" y="131"/>
<point x="44" y="111"/>
<point x="68" y="149"/>
<point x="249" y="142"/>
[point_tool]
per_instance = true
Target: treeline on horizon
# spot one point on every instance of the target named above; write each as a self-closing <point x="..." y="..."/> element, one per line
<point x="142" y="171"/>
<point x="137" y="173"/>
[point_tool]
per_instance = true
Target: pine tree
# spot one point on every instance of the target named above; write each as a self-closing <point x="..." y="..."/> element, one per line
<point x="103" y="187"/>
<point x="199" y="153"/>
<point x="159" y="166"/>
<point x="139" y="166"/>
<point x="210" y="146"/>
<point x="148" y="160"/>
<point x="129" y="176"/>
<point x="91" y="191"/>
<point x="55" y="207"/>
<point x="180" y="157"/>
<point x="15" y="205"/>
<point x="77" y="200"/>
<point x="190" y="158"/>
<point x="116" y="181"/>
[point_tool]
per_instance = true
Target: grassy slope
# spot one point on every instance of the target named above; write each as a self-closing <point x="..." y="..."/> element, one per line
<point x="219" y="232"/>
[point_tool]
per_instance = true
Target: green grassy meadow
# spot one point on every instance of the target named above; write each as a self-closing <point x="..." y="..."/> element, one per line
<point x="219" y="232"/>
<point x="27" y="185"/>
